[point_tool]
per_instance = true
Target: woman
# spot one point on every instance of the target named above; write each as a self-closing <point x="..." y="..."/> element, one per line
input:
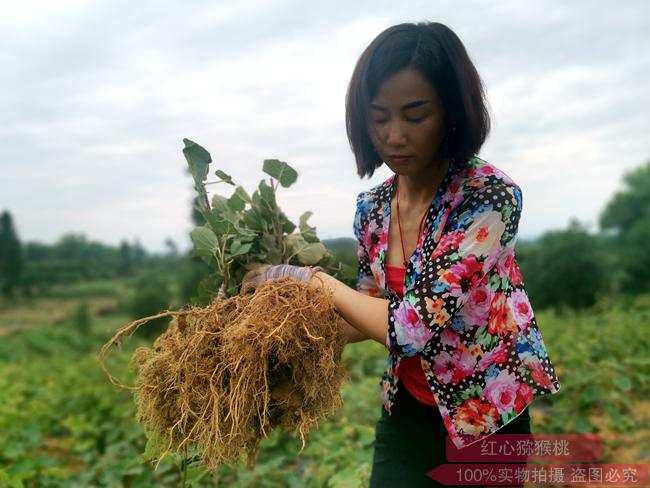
<point x="438" y="284"/>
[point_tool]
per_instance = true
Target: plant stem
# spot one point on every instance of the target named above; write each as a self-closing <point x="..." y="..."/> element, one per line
<point x="184" y="468"/>
<point x="277" y="232"/>
<point x="224" y="266"/>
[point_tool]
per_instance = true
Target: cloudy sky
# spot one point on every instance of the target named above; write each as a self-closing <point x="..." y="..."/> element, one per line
<point x="96" y="97"/>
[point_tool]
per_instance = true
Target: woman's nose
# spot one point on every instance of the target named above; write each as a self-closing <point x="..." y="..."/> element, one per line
<point x="396" y="135"/>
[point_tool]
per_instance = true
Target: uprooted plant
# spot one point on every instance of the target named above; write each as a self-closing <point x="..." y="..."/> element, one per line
<point x="232" y="366"/>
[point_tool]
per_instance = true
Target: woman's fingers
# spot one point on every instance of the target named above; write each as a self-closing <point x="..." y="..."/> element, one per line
<point x="256" y="274"/>
<point x="248" y="283"/>
<point x="250" y="276"/>
<point x="256" y="271"/>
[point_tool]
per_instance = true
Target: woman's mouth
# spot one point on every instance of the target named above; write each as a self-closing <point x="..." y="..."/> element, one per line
<point x="400" y="159"/>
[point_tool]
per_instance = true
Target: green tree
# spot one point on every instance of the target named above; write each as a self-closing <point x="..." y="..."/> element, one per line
<point x="70" y="247"/>
<point x="82" y="320"/>
<point x="138" y="252"/>
<point x="631" y="204"/>
<point x="171" y="246"/>
<point x="126" y="259"/>
<point x="151" y="295"/>
<point x="627" y="217"/>
<point x="563" y="268"/>
<point x="194" y="269"/>
<point x="11" y="257"/>
<point x="635" y="258"/>
<point x="37" y="251"/>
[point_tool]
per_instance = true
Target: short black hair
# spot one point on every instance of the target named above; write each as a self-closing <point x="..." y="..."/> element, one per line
<point x="437" y="53"/>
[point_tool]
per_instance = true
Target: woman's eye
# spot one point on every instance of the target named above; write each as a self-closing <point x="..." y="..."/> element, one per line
<point x="408" y="119"/>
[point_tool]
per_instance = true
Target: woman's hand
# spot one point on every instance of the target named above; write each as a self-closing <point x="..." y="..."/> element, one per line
<point x="261" y="272"/>
<point x="256" y="274"/>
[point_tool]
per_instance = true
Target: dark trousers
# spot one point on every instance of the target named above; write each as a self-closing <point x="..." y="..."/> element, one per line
<point x="411" y="442"/>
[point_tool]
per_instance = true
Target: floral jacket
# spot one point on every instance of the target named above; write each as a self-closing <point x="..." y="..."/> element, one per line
<point x="464" y="310"/>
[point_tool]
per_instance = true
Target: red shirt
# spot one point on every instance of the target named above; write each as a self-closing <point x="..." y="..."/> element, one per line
<point x="409" y="368"/>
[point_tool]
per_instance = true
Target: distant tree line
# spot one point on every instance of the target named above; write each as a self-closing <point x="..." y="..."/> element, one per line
<point x="561" y="268"/>
<point x="11" y="256"/>
<point x="33" y="266"/>
<point x="573" y="267"/>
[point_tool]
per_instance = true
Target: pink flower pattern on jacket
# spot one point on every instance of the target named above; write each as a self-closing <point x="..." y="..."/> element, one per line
<point x="464" y="309"/>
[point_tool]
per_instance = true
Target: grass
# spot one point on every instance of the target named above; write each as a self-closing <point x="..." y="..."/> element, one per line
<point x="64" y="424"/>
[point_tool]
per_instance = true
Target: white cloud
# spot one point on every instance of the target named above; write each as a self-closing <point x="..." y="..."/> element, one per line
<point x="97" y="97"/>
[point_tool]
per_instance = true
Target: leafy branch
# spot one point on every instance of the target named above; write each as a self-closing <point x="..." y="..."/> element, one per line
<point x="247" y="228"/>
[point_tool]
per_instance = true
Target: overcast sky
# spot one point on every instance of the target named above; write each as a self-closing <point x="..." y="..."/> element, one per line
<point x="96" y="97"/>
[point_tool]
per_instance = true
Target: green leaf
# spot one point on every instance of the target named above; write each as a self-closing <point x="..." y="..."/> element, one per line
<point x="623" y="383"/>
<point x="253" y="220"/>
<point x="269" y="247"/>
<point x="582" y="425"/>
<point x="267" y="216"/>
<point x="238" y="249"/>
<point x="195" y="473"/>
<point x="286" y="225"/>
<point x="220" y="226"/>
<point x="236" y="203"/>
<point x="220" y="204"/>
<point x="293" y="243"/>
<point x="308" y="232"/>
<point x="267" y="194"/>
<point x="304" y="218"/>
<point x="223" y="213"/>
<point x="198" y="160"/>
<point x="239" y="199"/>
<point x="152" y="449"/>
<point x="307" y="253"/>
<point x="243" y="194"/>
<point x="205" y="241"/>
<point x="207" y="289"/>
<point x="245" y="231"/>
<point x="281" y="171"/>
<point x="613" y="412"/>
<point x="225" y="177"/>
<point x="345" y="478"/>
<point x="590" y="394"/>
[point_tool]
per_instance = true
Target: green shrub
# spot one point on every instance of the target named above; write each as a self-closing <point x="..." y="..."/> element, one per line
<point x="82" y="321"/>
<point x="150" y="296"/>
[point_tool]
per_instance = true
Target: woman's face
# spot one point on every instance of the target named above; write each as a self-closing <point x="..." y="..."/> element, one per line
<point x="407" y="118"/>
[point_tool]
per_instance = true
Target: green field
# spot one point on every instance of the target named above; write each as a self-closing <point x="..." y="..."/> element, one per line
<point x="63" y="424"/>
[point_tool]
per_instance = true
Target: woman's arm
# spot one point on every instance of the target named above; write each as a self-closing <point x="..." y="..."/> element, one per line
<point x="365" y="283"/>
<point x="368" y="315"/>
<point x="484" y="226"/>
<point x="351" y="333"/>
